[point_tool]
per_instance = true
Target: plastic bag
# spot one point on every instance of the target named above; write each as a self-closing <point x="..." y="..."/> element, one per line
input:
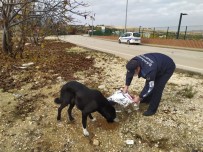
<point x="121" y="98"/>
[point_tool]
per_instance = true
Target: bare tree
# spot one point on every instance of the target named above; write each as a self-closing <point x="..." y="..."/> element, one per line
<point x="25" y="18"/>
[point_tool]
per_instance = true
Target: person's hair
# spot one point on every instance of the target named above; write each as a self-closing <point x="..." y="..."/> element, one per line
<point x="132" y="65"/>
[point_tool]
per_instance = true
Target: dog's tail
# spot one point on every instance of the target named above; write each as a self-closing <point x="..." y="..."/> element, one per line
<point x="57" y="101"/>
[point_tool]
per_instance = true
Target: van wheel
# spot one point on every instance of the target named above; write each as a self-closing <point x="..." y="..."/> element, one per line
<point x="128" y="42"/>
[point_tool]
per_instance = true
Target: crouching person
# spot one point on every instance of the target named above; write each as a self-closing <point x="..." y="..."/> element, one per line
<point x="157" y="69"/>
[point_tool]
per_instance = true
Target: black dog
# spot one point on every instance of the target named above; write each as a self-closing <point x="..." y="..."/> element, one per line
<point x="87" y="100"/>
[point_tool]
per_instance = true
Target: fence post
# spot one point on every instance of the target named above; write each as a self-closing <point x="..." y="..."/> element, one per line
<point x="185" y="32"/>
<point x="142" y="32"/>
<point x="167" y="33"/>
<point x="153" y="32"/>
<point x="139" y="28"/>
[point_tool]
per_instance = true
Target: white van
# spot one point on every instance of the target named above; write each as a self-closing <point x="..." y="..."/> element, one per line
<point x="130" y="38"/>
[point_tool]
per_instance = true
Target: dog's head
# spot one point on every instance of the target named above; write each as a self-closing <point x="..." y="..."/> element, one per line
<point x="105" y="108"/>
<point x="108" y="112"/>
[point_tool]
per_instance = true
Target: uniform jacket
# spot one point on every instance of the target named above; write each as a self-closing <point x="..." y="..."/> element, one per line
<point x="152" y="66"/>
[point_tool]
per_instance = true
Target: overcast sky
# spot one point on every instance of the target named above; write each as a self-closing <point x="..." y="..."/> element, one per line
<point x="145" y="13"/>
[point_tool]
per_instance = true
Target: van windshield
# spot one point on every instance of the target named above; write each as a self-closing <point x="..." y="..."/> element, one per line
<point x="136" y="34"/>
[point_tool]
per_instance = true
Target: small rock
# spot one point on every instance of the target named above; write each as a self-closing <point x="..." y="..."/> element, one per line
<point x="129" y="142"/>
<point x="101" y="86"/>
<point x="96" y="142"/>
<point x="129" y="110"/>
<point x="27" y="64"/>
<point x="17" y="96"/>
<point x="88" y="57"/>
<point x="29" y="118"/>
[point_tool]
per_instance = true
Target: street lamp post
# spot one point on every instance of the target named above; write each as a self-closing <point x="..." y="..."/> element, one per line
<point x="178" y="32"/>
<point x="126" y="14"/>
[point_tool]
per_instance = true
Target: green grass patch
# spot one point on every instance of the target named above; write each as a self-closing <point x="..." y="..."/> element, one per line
<point x="187" y="92"/>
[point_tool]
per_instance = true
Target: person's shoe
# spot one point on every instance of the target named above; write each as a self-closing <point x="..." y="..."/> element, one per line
<point x="148" y="113"/>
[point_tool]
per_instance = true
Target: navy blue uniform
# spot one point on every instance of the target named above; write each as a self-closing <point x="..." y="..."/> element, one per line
<point x="156" y="68"/>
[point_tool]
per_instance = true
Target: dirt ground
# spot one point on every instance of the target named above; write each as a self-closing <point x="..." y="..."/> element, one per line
<point x="28" y="113"/>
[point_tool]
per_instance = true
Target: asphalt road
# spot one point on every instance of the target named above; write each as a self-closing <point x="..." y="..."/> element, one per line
<point x="185" y="59"/>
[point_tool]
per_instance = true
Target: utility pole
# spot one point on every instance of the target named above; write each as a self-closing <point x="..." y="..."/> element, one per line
<point x="126" y="14"/>
<point x="92" y="26"/>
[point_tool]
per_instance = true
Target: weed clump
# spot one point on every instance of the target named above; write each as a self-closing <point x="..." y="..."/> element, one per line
<point x="188" y="92"/>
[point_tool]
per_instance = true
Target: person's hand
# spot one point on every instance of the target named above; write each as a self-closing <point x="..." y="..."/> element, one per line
<point x="125" y="89"/>
<point x="136" y="99"/>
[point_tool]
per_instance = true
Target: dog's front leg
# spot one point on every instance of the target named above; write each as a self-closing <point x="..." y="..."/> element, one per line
<point x="84" y="124"/>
